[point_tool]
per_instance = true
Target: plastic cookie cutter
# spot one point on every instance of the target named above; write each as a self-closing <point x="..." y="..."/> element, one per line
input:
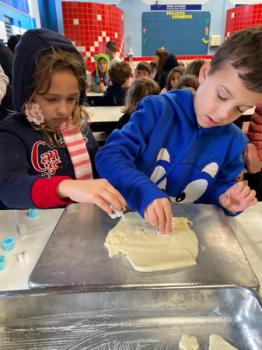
<point x="2" y="262"/>
<point x="33" y="213"/>
<point x="8" y="243"/>
<point x="116" y="213"/>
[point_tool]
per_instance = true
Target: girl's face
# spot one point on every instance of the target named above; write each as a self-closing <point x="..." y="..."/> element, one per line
<point x="102" y="65"/>
<point x="174" y="80"/>
<point x="58" y="103"/>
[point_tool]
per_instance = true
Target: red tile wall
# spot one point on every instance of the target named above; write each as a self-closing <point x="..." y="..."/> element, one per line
<point x="243" y="17"/>
<point x="89" y="26"/>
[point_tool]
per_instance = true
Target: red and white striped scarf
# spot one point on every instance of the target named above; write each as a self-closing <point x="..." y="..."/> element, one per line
<point x="78" y="152"/>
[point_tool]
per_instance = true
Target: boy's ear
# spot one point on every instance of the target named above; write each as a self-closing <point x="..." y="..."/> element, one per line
<point x="203" y="72"/>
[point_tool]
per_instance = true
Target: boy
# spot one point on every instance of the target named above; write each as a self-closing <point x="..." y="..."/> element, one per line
<point x="143" y="70"/>
<point x="185" y="147"/>
<point x="111" y="52"/>
<point x="120" y="74"/>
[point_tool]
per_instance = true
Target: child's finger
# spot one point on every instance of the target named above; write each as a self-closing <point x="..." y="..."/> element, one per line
<point x="161" y="218"/>
<point x="104" y="205"/>
<point x="112" y="199"/>
<point x="168" y="216"/>
<point x="152" y="217"/>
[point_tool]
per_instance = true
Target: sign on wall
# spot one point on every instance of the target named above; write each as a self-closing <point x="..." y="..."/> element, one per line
<point x="180" y="32"/>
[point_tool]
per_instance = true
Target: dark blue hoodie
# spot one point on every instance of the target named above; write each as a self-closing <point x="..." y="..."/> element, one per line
<point x="29" y="169"/>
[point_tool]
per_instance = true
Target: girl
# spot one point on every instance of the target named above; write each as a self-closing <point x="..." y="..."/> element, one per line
<point x="172" y="79"/>
<point x="138" y="89"/>
<point x="100" y="74"/>
<point x="45" y="159"/>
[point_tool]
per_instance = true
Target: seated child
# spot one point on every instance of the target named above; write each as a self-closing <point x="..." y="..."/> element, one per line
<point x="100" y="74"/>
<point x="46" y="153"/>
<point x="173" y="77"/>
<point x="138" y="89"/>
<point x="188" y="81"/>
<point x="183" y="146"/>
<point x="194" y="67"/>
<point x="120" y="74"/>
<point x="143" y="70"/>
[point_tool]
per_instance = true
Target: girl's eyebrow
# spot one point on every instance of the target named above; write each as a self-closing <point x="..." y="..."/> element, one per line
<point x="58" y="95"/>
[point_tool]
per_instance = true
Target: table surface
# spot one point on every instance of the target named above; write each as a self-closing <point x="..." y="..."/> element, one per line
<point x="104" y="114"/>
<point x="81" y="233"/>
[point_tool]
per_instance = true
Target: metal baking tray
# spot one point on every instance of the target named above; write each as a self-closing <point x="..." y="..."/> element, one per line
<point x="130" y="319"/>
<point x="75" y="254"/>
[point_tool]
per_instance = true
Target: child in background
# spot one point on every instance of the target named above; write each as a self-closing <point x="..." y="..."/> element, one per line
<point x="100" y="74"/>
<point x="173" y="77"/>
<point x="188" y="81"/>
<point x="112" y="53"/>
<point x="120" y="74"/>
<point x="183" y="146"/>
<point x="143" y="70"/>
<point x="194" y="67"/>
<point x="46" y="153"/>
<point x="138" y="89"/>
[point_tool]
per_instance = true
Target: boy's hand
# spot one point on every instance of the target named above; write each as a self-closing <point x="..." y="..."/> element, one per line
<point x="159" y="215"/>
<point x="238" y="198"/>
<point x="99" y="192"/>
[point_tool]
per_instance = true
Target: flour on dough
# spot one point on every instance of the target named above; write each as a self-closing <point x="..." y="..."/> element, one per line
<point x="147" y="251"/>
<point x="188" y="342"/>
<point x="216" y="342"/>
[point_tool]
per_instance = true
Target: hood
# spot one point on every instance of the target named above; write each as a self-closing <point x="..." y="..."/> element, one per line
<point x="170" y="63"/>
<point x="26" y="53"/>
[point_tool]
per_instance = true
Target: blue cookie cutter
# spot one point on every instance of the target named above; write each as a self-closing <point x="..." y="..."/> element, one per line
<point x="2" y="262"/>
<point x="8" y="243"/>
<point x="33" y="213"/>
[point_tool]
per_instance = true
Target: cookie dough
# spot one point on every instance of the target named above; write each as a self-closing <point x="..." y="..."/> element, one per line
<point x="216" y="342"/>
<point x="188" y="342"/>
<point x="148" y="251"/>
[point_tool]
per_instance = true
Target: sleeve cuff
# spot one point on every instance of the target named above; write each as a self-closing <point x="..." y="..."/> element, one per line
<point x="44" y="192"/>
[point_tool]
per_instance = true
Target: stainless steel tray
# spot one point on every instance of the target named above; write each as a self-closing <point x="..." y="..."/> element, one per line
<point x="130" y="319"/>
<point x="75" y="254"/>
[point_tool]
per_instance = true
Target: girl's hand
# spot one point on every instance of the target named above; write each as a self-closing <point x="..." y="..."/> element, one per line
<point x="99" y="192"/>
<point x="159" y="215"/>
<point x="238" y="198"/>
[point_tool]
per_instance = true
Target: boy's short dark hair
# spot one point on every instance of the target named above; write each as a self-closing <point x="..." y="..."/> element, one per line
<point x="144" y="66"/>
<point x="119" y="72"/>
<point x="111" y="45"/>
<point x="244" y="50"/>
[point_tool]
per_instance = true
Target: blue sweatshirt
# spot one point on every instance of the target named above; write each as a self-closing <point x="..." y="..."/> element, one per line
<point x="162" y="152"/>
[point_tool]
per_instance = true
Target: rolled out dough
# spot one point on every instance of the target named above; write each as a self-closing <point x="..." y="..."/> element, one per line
<point x="216" y="342"/>
<point x="147" y="251"/>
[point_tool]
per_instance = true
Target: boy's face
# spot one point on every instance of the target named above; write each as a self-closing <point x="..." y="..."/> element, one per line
<point x="222" y="96"/>
<point x="142" y="74"/>
<point x="102" y="65"/>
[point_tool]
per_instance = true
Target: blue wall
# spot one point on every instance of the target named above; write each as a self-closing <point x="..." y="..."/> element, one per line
<point x="19" y="19"/>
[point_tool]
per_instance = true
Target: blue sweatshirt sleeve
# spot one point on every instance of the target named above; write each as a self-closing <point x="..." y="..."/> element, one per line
<point x="116" y="161"/>
<point x="15" y="183"/>
<point x="232" y="167"/>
